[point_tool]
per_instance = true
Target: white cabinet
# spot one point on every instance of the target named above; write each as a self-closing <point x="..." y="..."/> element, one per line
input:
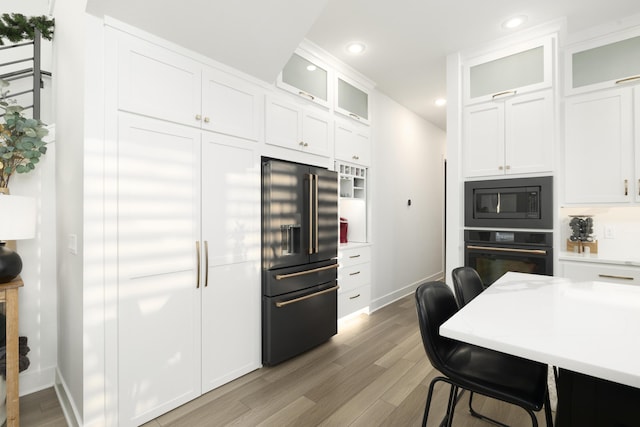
<point x="596" y="271"/>
<point x="297" y="127"/>
<point x="188" y="250"/>
<point x="229" y="260"/>
<point x="585" y="62"/>
<point x="352" y="142"/>
<point x="352" y="99"/>
<point x="307" y="77"/>
<point x="354" y="279"/>
<point x="160" y="83"/>
<point x="518" y="69"/>
<point x="599" y="142"/>
<point x="509" y="136"/>
<point x="158" y="303"/>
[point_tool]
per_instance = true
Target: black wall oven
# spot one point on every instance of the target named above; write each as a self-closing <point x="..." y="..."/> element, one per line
<point x="493" y="253"/>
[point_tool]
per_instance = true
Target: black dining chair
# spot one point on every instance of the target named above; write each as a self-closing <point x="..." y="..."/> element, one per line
<point x="464" y="366"/>
<point x="467" y="284"/>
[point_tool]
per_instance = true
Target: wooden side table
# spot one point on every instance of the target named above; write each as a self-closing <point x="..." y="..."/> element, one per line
<point x="9" y="295"/>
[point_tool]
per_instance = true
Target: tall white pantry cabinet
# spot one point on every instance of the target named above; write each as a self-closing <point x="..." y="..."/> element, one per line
<point x="187" y="227"/>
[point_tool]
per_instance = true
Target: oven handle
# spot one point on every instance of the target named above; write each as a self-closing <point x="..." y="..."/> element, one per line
<point x="302" y="273"/>
<point x="313" y="295"/>
<point x="521" y="251"/>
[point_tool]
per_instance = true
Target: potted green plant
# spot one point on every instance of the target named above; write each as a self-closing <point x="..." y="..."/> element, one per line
<point x="21" y="139"/>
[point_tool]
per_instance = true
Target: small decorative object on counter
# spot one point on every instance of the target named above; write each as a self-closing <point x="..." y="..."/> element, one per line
<point x="344" y="228"/>
<point x="582" y="239"/>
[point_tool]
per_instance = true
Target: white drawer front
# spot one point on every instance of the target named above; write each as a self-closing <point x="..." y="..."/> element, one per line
<point x="354" y="256"/>
<point x="602" y="273"/>
<point x="353" y="300"/>
<point x="354" y="276"/>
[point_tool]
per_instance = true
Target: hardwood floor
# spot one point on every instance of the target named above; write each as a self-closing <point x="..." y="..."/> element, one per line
<point x="41" y="409"/>
<point x="373" y="373"/>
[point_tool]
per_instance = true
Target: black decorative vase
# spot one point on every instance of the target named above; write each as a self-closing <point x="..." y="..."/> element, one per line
<point x="10" y="264"/>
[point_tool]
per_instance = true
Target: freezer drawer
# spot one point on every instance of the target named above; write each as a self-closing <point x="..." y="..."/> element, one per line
<point x="296" y="322"/>
<point x="286" y="280"/>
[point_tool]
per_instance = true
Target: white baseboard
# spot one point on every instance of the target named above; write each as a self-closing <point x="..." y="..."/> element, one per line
<point x="378" y="303"/>
<point x="32" y="381"/>
<point x="66" y="402"/>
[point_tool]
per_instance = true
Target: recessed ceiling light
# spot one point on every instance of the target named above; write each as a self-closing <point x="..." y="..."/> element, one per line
<point x="441" y="102"/>
<point x="356" y="48"/>
<point x="514" y="22"/>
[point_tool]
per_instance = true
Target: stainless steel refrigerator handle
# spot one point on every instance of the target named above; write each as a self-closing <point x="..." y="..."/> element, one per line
<point x="310" y="214"/>
<point x="520" y="251"/>
<point x="317" y="215"/>
<point x="206" y="263"/>
<point x="316" y="294"/>
<point x="302" y="273"/>
<point x="198" y="261"/>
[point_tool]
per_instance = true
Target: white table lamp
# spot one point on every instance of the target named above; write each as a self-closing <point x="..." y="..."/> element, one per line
<point x="17" y="222"/>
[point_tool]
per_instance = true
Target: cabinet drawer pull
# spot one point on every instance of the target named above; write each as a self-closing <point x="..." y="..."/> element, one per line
<point x="354" y="274"/>
<point x="639" y="187"/>
<point x="504" y="94"/>
<point x="355" y="296"/>
<point x="306" y="95"/>
<point x="355" y="116"/>
<point x="281" y="304"/>
<point x="355" y="256"/>
<point x="628" y="79"/>
<point x="612" y="276"/>
<point x="626" y="187"/>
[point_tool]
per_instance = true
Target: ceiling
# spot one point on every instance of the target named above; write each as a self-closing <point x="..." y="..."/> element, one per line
<point x="407" y="40"/>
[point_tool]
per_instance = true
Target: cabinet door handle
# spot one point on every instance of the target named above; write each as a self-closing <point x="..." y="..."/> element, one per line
<point x="354" y="157"/>
<point x="206" y="263"/>
<point x="198" y="264"/>
<point x="628" y="79"/>
<point x="207" y="120"/>
<point x="307" y="95"/>
<point x="504" y="94"/>
<point x="612" y="276"/>
<point x="639" y="187"/>
<point x="626" y="187"/>
<point x="355" y="116"/>
<point x="198" y="117"/>
<point x="500" y="168"/>
<point x="508" y="167"/>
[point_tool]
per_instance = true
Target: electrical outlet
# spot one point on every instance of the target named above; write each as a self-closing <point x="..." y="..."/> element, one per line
<point x="609" y="232"/>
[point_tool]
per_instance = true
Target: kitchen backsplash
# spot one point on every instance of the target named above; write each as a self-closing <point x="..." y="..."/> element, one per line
<point x="617" y="230"/>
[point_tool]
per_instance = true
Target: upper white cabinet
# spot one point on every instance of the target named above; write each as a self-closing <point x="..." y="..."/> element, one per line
<point x="352" y="99"/>
<point x="307" y="77"/>
<point x="303" y="128"/>
<point x="160" y="83"/>
<point x="509" y="136"/>
<point x="599" y="147"/>
<point x="352" y="142"/>
<point x="519" y="69"/>
<point x="604" y="63"/>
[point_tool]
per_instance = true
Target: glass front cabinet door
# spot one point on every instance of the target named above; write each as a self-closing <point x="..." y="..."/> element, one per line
<point x="306" y="77"/>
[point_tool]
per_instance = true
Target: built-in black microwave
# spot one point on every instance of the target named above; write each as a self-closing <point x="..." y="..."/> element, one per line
<point x="509" y="203"/>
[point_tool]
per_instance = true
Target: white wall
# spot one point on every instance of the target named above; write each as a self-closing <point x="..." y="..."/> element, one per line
<point x="408" y="158"/>
<point x="69" y="66"/>
<point x="38" y="296"/>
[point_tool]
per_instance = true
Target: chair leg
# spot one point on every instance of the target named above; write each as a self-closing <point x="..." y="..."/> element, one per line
<point x="429" y="396"/>
<point x="480" y="416"/>
<point x="451" y="406"/>
<point x="547" y="410"/>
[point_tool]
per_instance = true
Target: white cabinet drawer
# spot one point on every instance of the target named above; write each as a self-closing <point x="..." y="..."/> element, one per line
<point x="353" y="300"/>
<point x="348" y="257"/>
<point x="601" y="272"/>
<point x="354" y="276"/>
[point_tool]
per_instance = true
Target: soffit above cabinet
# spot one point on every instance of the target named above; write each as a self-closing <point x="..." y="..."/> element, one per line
<point x="257" y="38"/>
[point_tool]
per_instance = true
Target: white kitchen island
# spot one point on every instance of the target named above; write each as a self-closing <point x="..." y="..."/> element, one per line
<point x="588" y="329"/>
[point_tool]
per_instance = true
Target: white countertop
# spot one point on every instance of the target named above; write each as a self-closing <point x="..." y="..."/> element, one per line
<point x="601" y="259"/>
<point x="587" y="327"/>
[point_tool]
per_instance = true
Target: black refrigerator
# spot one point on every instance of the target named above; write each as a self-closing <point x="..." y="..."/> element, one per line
<point x="299" y="258"/>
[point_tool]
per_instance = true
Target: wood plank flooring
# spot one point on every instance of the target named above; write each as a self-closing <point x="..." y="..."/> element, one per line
<point x="373" y="373"/>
